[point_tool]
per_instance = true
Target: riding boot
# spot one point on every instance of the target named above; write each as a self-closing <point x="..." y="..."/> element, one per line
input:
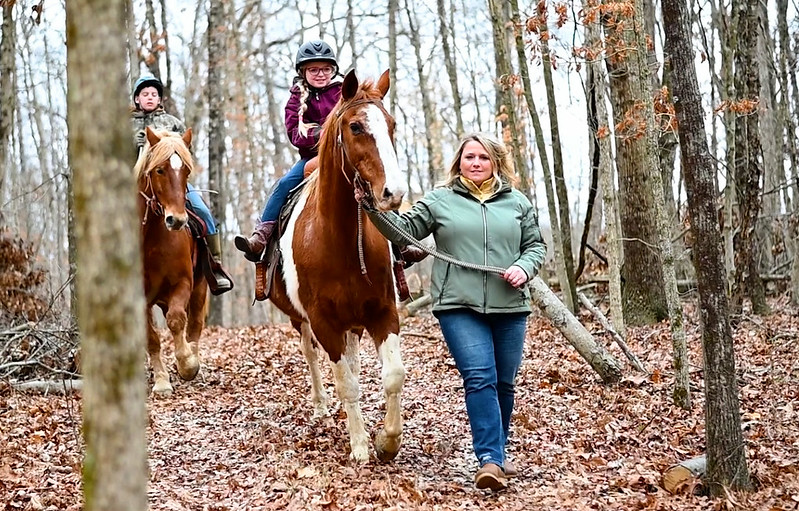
<point x="411" y="254"/>
<point x="255" y="245"/>
<point x="219" y="280"/>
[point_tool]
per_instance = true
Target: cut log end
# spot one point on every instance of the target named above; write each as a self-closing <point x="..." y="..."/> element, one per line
<point x="685" y="476"/>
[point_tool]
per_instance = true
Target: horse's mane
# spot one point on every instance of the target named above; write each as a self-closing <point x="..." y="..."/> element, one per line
<point x="367" y="91"/>
<point x="170" y="143"/>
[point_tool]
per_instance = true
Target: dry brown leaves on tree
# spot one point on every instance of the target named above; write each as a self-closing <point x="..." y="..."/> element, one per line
<point x="242" y="437"/>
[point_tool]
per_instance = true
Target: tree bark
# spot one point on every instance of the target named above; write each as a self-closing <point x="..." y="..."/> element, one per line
<point x="507" y="112"/>
<point x="216" y="94"/>
<point x="557" y="245"/>
<point x="726" y="454"/>
<point x="636" y="145"/>
<point x="570" y="293"/>
<point x="432" y="139"/>
<point x="748" y="170"/>
<point x="597" y="94"/>
<point x="8" y="99"/>
<point x="451" y="67"/>
<point x="787" y="58"/>
<point x="109" y="278"/>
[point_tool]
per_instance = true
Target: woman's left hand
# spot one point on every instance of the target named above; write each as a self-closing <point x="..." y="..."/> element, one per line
<point x="515" y="276"/>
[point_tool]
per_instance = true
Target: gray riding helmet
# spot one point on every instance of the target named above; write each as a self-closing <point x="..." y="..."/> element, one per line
<point x="315" y="51"/>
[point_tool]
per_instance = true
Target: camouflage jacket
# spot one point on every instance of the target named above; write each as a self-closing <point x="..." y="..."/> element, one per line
<point x="158" y="119"/>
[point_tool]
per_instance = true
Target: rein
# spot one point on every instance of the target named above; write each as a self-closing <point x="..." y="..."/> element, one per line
<point x="357" y="181"/>
<point x="151" y="203"/>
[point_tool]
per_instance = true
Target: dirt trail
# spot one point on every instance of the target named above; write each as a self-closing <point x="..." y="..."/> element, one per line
<point x="242" y="437"/>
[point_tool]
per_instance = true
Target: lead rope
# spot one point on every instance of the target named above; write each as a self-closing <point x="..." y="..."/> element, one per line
<point x="355" y="183"/>
<point x="382" y="218"/>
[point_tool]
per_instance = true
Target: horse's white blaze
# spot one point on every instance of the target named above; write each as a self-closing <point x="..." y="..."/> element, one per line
<point x="290" y="276"/>
<point x="176" y="162"/>
<point x="377" y="126"/>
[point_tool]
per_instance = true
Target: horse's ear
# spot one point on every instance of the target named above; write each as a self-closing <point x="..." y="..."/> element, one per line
<point x="350" y="86"/>
<point x="152" y="138"/>
<point x="383" y="83"/>
<point x="187" y="137"/>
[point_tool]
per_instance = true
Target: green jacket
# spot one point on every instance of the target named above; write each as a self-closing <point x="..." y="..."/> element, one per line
<point x="158" y="119"/>
<point x="502" y="231"/>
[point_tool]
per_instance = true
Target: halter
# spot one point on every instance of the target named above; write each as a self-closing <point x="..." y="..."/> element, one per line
<point x="357" y="181"/>
<point x="151" y="203"/>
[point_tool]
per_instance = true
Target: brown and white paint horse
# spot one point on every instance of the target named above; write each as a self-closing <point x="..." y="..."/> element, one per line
<point x="321" y="285"/>
<point x="173" y="279"/>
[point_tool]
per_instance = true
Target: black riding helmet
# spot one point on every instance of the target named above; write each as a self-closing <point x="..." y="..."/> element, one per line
<point x="315" y="51"/>
<point x="148" y="81"/>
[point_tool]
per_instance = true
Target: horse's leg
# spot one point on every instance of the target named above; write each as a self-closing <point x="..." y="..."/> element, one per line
<point x="318" y="395"/>
<point x="352" y="351"/>
<point x="346" y="388"/>
<point x="389" y="439"/>
<point x="196" y="316"/>
<point x="176" y="319"/>
<point x="161" y="383"/>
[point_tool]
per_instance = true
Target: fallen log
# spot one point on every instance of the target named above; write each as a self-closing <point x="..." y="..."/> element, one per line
<point x="597" y="357"/>
<point x="636" y="363"/>
<point x="684" y="475"/>
<point x="49" y="386"/>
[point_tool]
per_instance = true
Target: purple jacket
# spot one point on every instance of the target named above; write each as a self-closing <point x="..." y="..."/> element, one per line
<point x="320" y="103"/>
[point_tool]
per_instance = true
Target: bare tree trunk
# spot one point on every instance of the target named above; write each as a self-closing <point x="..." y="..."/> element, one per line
<point x="434" y="156"/>
<point x="636" y="146"/>
<point x="726" y="453"/>
<point x="393" y="16"/>
<point x="724" y="26"/>
<point x="601" y="133"/>
<point x="787" y="58"/>
<point x="132" y="46"/>
<point x="449" y="64"/>
<point x="8" y="100"/>
<point x="557" y="245"/>
<point x="109" y="284"/>
<point x="350" y="31"/>
<point x="216" y="94"/>
<point x="570" y="293"/>
<point x="747" y="282"/>
<point x="507" y="112"/>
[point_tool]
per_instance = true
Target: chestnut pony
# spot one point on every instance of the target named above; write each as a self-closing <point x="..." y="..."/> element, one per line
<point x="336" y="279"/>
<point x="173" y="278"/>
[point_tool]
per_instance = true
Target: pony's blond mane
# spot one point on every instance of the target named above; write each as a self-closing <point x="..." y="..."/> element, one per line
<point x="169" y="144"/>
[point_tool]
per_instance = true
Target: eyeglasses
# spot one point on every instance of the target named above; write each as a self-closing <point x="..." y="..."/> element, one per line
<point x="316" y="71"/>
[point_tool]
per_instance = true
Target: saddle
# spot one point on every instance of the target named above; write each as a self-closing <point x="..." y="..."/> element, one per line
<point x="271" y="258"/>
<point x="208" y="265"/>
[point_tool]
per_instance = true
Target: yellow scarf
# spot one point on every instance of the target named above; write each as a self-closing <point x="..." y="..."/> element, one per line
<point x="483" y="192"/>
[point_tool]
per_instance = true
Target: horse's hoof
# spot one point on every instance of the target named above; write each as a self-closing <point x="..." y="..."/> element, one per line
<point x="188" y="370"/>
<point x="361" y="455"/>
<point x="162" y="388"/>
<point x="386" y="448"/>
<point x="320" y="411"/>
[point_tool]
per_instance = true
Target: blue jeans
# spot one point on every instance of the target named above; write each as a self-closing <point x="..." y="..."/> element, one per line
<point x="200" y="208"/>
<point x="281" y="191"/>
<point x="487" y="349"/>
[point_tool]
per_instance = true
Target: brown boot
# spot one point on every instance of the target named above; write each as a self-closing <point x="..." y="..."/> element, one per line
<point x="219" y="280"/>
<point x="490" y="476"/>
<point x="510" y="469"/>
<point x="255" y="245"/>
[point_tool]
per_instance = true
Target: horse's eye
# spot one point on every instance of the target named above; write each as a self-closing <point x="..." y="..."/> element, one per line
<point x="159" y="171"/>
<point x="356" y="128"/>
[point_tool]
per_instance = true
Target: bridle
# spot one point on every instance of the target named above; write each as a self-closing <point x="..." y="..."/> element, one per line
<point x="357" y="181"/>
<point x="151" y="203"/>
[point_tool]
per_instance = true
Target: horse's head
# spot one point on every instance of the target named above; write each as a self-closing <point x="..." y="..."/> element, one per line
<point x="163" y="170"/>
<point x="364" y="131"/>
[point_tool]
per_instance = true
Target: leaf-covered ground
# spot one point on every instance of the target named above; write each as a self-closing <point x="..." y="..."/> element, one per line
<point x="242" y="437"/>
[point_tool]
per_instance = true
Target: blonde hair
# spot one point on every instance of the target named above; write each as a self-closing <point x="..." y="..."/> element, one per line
<point x="498" y="153"/>
<point x="303" y="127"/>
<point x="170" y="144"/>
